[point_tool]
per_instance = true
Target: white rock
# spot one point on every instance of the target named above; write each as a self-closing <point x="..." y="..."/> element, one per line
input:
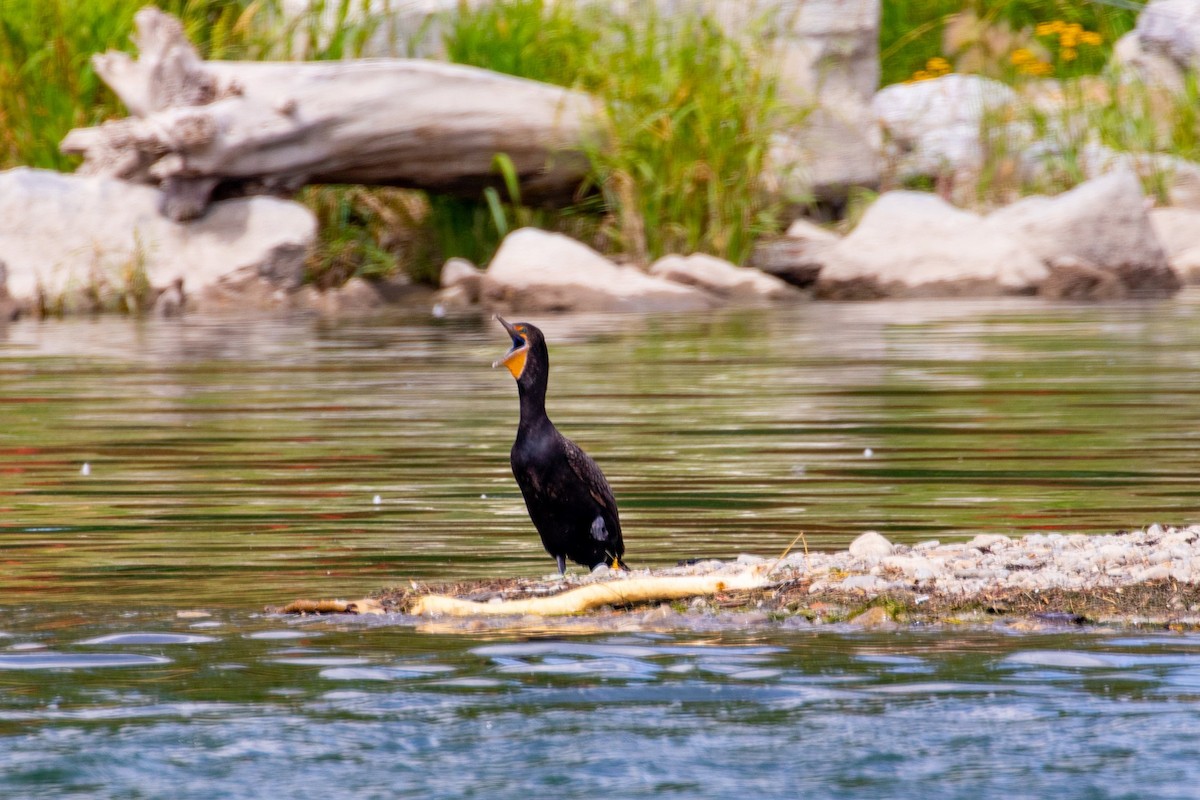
<point x="864" y="583"/>
<point x="1159" y="572"/>
<point x="809" y="231"/>
<point x="723" y="279"/>
<point x="870" y="544"/>
<point x="1177" y="229"/>
<point x="1172" y="28"/>
<point x="989" y="541"/>
<point x="933" y="127"/>
<point x="1103" y="222"/>
<point x="1130" y="58"/>
<point x="914" y="567"/>
<point x="828" y="57"/>
<point x="62" y="231"/>
<point x="460" y="271"/>
<point x="538" y="271"/>
<point x="916" y="244"/>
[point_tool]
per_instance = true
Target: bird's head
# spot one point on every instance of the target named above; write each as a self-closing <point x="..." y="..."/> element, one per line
<point x="527" y="356"/>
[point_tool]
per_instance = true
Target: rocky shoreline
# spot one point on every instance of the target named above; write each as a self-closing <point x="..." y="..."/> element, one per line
<point x="142" y="235"/>
<point x="1148" y="577"/>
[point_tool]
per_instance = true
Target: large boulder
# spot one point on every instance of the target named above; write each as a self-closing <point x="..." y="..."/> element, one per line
<point x="1177" y="177"/>
<point x="1164" y="46"/>
<point x="828" y="52"/>
<point x="1103" y="223"/>
<point x="538" y="271"/>
<point x="934" y="127"/>
<point x="1178" y="229"/>
<point x="797" y="256"/>
<point x="914" y="244"/>
<point x="723" y="279"/>
<point x="61" y="233"/>
<point x="1171" y="28"/>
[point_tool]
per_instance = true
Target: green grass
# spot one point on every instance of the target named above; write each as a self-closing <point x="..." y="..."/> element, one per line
<point x="690" y="113"/>
<point x="48" y="87"/>
<point x="47" y="84"/>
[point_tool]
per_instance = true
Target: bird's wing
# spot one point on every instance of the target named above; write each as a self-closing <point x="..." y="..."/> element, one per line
<point x="589" y="473"/>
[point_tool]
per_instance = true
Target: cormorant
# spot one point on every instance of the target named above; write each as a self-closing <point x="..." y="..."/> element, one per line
<point x="568" y="499"/>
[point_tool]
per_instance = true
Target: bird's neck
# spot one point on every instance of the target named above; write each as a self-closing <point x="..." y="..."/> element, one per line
<point x="533" y="405"/>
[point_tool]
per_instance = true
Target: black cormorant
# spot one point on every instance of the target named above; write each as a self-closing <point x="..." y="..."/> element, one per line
<point x="568" y="499"/>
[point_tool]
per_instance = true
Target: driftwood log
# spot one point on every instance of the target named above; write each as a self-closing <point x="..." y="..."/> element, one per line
<point x="621" y="592"/>
<point x="272" y="127"/>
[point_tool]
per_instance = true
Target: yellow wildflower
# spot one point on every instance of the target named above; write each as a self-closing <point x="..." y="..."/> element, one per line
<point x="938" y="64"/>
<point x="1021" y="56"/>
<point x="1091" y="37"/>
<point x="1068" y="54"/>
<point x="1048" y="28"/>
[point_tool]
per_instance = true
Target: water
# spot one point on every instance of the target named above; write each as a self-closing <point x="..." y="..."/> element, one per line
<point x="216" y="466"/>
<point x="272" y="708"/>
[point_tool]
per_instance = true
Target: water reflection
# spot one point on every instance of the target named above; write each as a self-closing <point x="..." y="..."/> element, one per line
<point x="365" y="710"/>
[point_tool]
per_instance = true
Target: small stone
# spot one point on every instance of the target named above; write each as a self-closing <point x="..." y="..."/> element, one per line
<point x="1159" y="572"/>
<point x="192" y="614"/>
<point x="1113" y="553"/>
<point x="875" y="618"/>
<point x="871" y="543"/>
<point x="988" y="541"/>
<point x="870" y="584"/>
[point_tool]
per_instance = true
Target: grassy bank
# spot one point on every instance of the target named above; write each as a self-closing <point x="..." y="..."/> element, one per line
<point x="691" y="110"/>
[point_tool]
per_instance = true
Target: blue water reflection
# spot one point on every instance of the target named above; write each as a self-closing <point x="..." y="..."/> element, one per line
<point x="369" y="710"/>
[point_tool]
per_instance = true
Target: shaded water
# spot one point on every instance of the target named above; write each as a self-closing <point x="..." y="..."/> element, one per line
<point x="152" y="466"/>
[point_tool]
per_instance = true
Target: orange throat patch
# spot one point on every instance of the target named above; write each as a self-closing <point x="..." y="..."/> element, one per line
<point x="515" y="361"/>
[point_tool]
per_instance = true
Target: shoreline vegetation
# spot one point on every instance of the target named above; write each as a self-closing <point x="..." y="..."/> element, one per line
<point x="1143" y="578"/>
<point x="693" y="113"/>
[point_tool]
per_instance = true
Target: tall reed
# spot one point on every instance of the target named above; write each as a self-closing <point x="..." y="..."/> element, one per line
<point x="690" y="112"/>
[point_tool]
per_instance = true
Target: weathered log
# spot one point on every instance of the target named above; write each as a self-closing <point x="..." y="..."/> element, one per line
<point x="270" y="127"/>
<point x="367" y="605"/>
<point x="618" y="593"/>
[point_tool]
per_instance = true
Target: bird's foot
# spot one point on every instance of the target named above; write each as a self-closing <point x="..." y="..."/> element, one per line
<point x="562" y="564"/>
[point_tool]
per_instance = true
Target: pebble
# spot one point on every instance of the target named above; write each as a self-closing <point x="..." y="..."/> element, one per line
<point x="875" y="618"/>
<point x="869" y="544"/>
<point x="986" y="541"/>
<point x="864" y="583"/>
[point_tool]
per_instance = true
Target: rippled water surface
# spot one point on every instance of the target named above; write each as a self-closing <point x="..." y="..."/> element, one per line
<point x="218" y="466"/>
<point x="259" y="708"/>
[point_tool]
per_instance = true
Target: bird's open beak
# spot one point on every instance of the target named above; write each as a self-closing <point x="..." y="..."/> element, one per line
<point x="514" y="359"/>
